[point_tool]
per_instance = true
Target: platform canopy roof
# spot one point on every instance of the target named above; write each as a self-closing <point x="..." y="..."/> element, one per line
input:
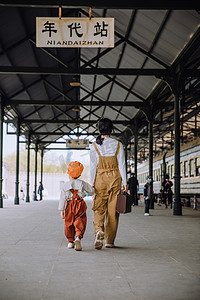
<point x="155" y="42"/>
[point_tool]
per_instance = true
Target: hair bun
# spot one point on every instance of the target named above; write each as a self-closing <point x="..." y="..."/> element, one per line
<point x="99" y="140"/>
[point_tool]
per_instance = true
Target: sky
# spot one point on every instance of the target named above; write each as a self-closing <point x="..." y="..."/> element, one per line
<point x="9" y="142"/>
<point x="9" y="148"/>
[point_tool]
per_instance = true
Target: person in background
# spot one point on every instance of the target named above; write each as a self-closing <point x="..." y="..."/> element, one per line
<point x="107" y="174"/>
<point x="133" y="186"/>
<point x="167" y="185"/>
<point x="33" y="196"/>
<point x="73" y="207"/>
<point x="21" y="194"/>
<point x="161" y="198"/>
<point x="40" y="189"/>
<point x="148" y="193"/>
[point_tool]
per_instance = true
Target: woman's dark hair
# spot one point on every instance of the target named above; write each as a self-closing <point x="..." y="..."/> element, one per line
<point x="105" y="127"/>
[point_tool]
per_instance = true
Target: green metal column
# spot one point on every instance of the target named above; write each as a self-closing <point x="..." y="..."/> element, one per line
<point x="42" y="157"/>
<point x="177" y="207"/>
<point x="135" y="149"/>
<point x="135" y="155"/>
<point x="175" y="83"/>
<point x="41" y="178"/>
<point x="17" y="166"/>
<point x="150" y="148"/>
<point x="1" y="153"/>
<point x="151" y="206"/>
<point x="36" y="151"/>
<point x="126" y="156"/>
<point x="28" y="170"/>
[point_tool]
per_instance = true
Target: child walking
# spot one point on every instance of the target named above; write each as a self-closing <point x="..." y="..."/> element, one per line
<point x="73" y="207"/>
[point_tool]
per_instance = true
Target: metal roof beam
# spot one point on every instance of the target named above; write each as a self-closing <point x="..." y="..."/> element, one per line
<point x="61" y="121"/>
<point x="111" y="79"/>
<point x="67" y="133"/>
<point x="81" y="71"/>
<point x="120" y="103"/>
<point x="125" y="4"/>
<point x="93" y="71"/>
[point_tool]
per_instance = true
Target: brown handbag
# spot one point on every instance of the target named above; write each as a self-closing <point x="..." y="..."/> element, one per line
<point x="124" y="202"/>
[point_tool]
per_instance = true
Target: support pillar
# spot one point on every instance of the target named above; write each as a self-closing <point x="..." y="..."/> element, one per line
<point x="135" y="149"/>
<point x="1" y="153"/>
<point x="126" y="156"/>
<point x="28" y="171"/>
<point x="135" y="155"/>
<point x="177" y="207"/>
<point x="36" y="151"/>
<point x="16" y="201"/>
<point x="42" y="157"/>
<point x="175" y="85"/>
<point x="151" y="206"/>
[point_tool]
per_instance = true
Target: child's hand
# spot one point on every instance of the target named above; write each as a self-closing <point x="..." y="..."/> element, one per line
<point x="62" y="213"/>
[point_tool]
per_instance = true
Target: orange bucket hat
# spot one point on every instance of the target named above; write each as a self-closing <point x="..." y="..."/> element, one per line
<point x="75" y="169"/>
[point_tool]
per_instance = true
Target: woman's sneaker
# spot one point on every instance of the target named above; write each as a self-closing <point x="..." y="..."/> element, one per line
<point x="78" y="244"/>
<point x="109" y="245"/>
<point x="71" y="245"/>
<point x="98" y="244"/>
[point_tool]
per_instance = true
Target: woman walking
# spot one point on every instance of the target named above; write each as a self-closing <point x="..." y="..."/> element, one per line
<point x="108" y="174"/>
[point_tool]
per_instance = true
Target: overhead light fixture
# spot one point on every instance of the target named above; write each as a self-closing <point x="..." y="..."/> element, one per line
<point x="76" y="108"/>
<point x="76" y="81"/>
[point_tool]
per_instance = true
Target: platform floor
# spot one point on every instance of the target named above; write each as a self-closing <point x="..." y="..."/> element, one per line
<point x="156" y="257"/>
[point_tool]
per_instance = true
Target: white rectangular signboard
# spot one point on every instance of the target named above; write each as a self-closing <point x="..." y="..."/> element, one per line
<point x="74" y="32"/>
<point x="77" y="143"/>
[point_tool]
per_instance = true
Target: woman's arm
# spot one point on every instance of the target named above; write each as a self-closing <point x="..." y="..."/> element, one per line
<point x="88" y="188"/>
<point x="122" y="165"/>
<point x="93" y="164"/>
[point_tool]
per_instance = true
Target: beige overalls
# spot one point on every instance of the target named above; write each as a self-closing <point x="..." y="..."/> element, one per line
<point x="107" y="187"/>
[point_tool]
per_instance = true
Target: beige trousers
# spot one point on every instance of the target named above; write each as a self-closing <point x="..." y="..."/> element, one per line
<point x="107" y="187"/>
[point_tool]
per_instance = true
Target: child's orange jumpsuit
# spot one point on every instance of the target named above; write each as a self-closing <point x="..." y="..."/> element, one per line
<point x="71" y="201"/>
<point x="75" y="217"/>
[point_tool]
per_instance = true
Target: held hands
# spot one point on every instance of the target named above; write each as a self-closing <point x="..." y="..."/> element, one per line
<point x="62" y="214"/>
<point x="125" y="188"/>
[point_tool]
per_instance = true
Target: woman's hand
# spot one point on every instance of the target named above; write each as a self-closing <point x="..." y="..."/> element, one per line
<point x="62" y="214"/>
<point x="125" y="188"/>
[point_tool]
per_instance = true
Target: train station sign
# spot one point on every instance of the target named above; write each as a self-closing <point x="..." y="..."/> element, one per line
<point x="74" y="32"/>
<point x="78" y="143"/>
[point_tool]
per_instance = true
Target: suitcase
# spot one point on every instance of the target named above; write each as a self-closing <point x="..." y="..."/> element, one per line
<point x="124" y="202"/>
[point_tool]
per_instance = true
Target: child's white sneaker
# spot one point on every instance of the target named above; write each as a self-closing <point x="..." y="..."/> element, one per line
<point x="71" y="245"/>
<point x="98" y="244"/>
<point x="78" y="244"/>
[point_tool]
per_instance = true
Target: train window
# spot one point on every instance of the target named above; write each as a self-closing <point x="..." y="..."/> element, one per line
<point x="142" y="178"/>
<point x="172" y="171"/>
<point x="158" y="175"/>
<point x="198" y="166"/>
<point x="169" y="171"/>
<point x="186" y="168"/>
<point x="181" y="169"/>
<point x="191" y="167"/>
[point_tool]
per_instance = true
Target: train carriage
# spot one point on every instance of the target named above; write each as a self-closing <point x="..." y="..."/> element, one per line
<point x="164" y="164"/>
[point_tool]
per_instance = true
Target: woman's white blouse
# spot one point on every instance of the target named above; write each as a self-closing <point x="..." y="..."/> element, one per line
<point x="77" y="184"/>
<point x="108" y="148"/>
